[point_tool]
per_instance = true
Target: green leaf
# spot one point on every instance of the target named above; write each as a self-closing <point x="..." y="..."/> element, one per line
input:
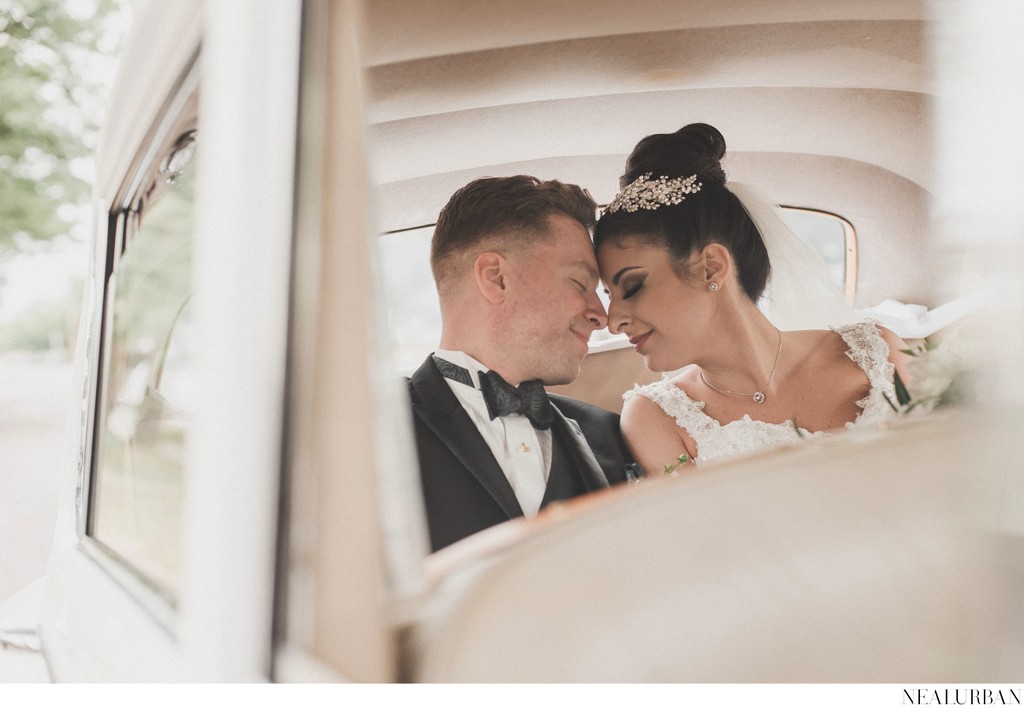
<point x="902" y="395"/>
<point x="797" y="428"/>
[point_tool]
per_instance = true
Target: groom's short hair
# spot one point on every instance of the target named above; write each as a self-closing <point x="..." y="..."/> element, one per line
<point x="501" y="213"/>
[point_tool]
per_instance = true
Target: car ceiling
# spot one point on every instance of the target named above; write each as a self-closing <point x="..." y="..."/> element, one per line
<point x="825" y="105"/>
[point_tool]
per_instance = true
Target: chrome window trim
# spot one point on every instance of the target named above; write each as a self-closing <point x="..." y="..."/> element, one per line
<point x="146" y="163"/>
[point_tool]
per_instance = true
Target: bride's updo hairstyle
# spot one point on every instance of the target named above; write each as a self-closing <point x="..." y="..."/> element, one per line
<point x="711" y="215"/>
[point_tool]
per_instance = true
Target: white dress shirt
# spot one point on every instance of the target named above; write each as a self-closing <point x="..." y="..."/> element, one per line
<point x="523" y="452"/>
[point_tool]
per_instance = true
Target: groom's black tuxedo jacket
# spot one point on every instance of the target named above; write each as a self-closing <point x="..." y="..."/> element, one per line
<point x="464" y="488"/>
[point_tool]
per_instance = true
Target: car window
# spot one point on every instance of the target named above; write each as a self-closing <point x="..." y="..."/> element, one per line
<point x="833" y="238"/>
<point x="147" y="392"/>
<point x="415" y="318"/>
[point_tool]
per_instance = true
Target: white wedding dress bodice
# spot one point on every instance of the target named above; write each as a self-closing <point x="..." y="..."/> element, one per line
<point x="717" y="442"/>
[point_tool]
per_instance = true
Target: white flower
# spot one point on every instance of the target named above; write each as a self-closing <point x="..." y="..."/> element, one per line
<point x="933" y="368"/>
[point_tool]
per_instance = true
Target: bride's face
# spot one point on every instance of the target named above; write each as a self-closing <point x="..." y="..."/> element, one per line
<point x="663" y="315"/>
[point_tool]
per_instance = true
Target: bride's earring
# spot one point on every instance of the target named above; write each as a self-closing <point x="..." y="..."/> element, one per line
<point x="712" y="286"/>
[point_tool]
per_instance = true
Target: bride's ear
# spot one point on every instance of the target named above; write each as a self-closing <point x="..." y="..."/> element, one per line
<point x="716" y="264"/>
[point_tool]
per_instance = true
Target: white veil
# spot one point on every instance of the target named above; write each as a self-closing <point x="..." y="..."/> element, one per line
<point x="801" y="294"/>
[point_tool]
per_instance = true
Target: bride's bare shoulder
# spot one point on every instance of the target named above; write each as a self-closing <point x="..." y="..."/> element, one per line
<point x="639" y="408"/>
<point x="819" y="352"/>
<point x="651" y="433"/>
<point x="820" y="343"/>
<point x="686" y="377"/>
<point x="646" y="406"/>
<point x="829" y="345"/>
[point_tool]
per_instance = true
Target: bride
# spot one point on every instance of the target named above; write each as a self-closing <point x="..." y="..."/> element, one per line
<point x="686" y="257"/>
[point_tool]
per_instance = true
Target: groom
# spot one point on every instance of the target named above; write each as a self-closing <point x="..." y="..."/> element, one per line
<point x="516" y="279"/>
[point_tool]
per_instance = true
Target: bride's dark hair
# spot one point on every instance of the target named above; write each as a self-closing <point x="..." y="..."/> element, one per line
<point x="713" y="215"/>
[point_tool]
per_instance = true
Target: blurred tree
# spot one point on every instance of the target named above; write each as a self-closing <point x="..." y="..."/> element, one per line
<point x="50" y="105"/>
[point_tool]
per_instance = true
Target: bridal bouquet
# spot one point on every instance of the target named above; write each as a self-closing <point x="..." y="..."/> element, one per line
<point x="934" y="368"/>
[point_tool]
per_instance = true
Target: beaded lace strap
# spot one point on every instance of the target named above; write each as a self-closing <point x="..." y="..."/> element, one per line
<point x="673" y="401"/>
<point x="871" y="353"/>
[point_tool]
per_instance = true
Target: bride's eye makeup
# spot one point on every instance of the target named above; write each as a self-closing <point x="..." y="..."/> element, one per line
<point x="632" y="286"/>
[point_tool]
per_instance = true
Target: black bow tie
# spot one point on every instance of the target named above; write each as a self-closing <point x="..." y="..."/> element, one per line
<point x="528" y="399"/>
<point x="502" y="399"/>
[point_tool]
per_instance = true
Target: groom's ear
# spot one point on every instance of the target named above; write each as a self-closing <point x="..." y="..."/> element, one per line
<point x="716" y="263"/>
<point x="490" y="270"/>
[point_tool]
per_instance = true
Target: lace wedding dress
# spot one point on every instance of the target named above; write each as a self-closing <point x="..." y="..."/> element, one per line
<point x="717" y="442"/>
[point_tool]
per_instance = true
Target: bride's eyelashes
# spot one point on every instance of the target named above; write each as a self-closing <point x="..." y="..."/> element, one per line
<point x="631" y="288"/>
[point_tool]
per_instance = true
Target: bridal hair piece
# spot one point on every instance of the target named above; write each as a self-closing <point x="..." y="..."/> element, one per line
<point x="647" y="193"/>
<point x="801" y="293"/>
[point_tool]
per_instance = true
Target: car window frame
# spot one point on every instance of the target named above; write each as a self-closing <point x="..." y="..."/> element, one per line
<point x="178" y="115"/>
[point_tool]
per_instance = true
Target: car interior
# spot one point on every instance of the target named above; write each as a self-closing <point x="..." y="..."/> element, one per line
<point x="827" y="110"/>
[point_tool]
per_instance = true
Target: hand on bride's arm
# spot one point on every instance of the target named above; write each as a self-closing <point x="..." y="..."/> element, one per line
<point x="653" y="437"/>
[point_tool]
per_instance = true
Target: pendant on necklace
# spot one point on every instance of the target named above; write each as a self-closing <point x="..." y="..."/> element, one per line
<point x="758" y="397"/>
<point x="524" y="448"/>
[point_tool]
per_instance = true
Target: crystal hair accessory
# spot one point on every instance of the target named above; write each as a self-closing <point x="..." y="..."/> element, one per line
<point x="647" y="193"/>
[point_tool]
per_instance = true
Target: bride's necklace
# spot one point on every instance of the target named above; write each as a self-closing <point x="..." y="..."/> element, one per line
<point x="757" y="396"/>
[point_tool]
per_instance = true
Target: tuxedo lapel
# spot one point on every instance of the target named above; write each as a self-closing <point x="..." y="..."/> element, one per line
<point x="438" y="408"/>
<point x="579" y="450"/>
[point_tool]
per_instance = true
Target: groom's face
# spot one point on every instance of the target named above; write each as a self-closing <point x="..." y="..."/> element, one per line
<point x="554" y="305"/>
